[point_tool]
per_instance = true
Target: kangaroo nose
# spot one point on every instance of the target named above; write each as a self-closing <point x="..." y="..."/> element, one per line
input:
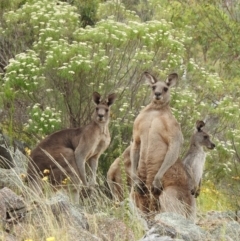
<point x="100" y="115"/>
<point x="213" y="145"/>
<point x="157" y="94"/>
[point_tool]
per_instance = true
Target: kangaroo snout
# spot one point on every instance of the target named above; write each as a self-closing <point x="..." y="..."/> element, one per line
<point x="101" y="118"/>
<point x="157" y="95"/>
<point x="212" y="146"/>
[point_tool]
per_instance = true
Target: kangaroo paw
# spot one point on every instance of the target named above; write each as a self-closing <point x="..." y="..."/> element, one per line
<point x="157" y="187"/>
<point x="156" y="191"/>
<point x="140" y="188"/>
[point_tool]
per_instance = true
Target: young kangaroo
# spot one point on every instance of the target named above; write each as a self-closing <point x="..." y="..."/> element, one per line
<point x="114" y="174"/>
<point x="157" y="137"/>
<point x="195" y="158"/>
<point x="72" y="148"/>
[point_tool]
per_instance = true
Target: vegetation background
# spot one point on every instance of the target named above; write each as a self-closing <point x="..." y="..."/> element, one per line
<point x="54" y="54"/>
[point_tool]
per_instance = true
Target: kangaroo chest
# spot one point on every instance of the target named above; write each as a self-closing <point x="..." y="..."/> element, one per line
<point x="99" y="145"/>
<point x="156" y="126"/>
<point x="197" y="165"/>
<point x="103" y="143"/>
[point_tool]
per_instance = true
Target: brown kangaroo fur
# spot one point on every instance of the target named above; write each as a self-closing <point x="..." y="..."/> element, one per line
<point x="114" y="175"/>
<point x="194" y="159"/>
<point x="73" y="148"/>
<point x="175" y="182"/>
<point x="157" y="138"/>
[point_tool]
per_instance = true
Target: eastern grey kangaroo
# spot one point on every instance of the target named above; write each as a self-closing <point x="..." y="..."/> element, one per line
<point x="157" y="136"/>
<point x="73" y="148"/>
<point x="194" y="159"/>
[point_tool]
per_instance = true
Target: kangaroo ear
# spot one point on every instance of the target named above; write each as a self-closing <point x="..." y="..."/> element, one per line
<point x="199" y="125"/>
<point x="150" y="78"/>
<point x="172" y="79"/>
<point x="96" y="98"/>
<point x="111" y="99"/>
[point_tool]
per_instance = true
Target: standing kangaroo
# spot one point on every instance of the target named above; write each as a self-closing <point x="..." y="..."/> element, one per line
<point x="195" y="158"/>
<point x="73" y="148"/>
<point x="157" y="137"/>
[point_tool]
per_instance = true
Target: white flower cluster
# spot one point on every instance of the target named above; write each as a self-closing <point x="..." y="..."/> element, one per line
<point x="43" y="121"/>
<point x="24" y="72"/>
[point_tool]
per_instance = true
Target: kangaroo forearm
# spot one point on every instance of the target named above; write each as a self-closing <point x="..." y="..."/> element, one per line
<point x="169" y="160"/>
<point x="134" y="160"/>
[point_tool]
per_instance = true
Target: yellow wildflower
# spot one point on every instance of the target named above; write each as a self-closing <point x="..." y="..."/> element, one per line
<point x="27" y="151"/>
<point x="23" y="176"/>
<point x="50" y="239"/>
<point x="236" y="178"/>
<point x="207" y="190"/>
<point x="46" y="171"/>
<point x="45" y="178"/>
<point x="66" y="180"/>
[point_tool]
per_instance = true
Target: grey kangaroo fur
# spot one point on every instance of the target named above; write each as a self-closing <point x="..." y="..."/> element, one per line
<point x="73" y="148"/>
<point x="194" y="159"/>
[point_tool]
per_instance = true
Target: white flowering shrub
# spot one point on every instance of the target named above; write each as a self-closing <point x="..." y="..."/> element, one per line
<point x="44" y="19"/>
<point x="43" y="121"/>
<point x="24" y="75"/>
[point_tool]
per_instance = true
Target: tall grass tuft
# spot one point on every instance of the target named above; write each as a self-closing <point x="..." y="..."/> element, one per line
<point x="46" y="218"/>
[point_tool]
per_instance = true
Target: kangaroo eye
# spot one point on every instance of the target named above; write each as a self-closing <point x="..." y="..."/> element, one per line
<point x="106" y="110"/>
<point x="165" y="89"/>
<point x="153" y="87"/>
<point x="205" y="137"/>
<point x="97" y="109"/>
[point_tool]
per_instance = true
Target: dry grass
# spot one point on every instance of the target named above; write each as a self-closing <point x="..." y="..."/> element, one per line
<point x="43" y="222"/>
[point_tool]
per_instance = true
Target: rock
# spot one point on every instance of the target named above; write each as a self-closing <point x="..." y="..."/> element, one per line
<point x="11" y="205"/>
<point x="174" y="226"/>
<point x="14" y="178"/>
<point x="6" y="160"/>
<point x="60" y="205"/>
<point x="155" y="237"/>
<point x="221" y="225"/>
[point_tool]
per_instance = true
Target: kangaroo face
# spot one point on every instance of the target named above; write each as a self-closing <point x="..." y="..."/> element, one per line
<point x="102" y="113"/>
<point x="161" y="92"/>
<point x="204" y="140"/>
<point x="102" y="107"/>
<point x="201" y="137"/>
<point x="161" y="89"/>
